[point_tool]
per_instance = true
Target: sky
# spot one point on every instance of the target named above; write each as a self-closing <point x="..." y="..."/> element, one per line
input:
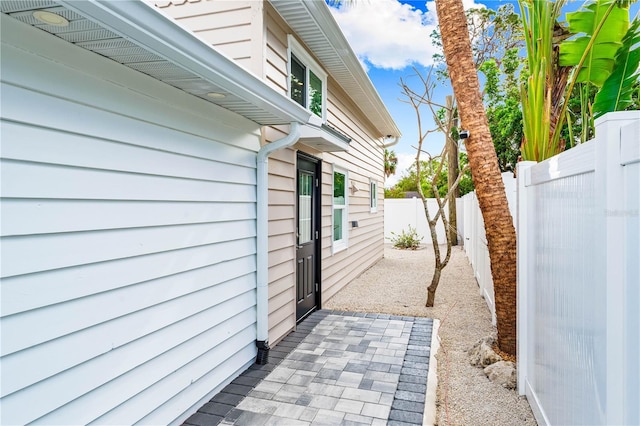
<point x="390" y="37"/>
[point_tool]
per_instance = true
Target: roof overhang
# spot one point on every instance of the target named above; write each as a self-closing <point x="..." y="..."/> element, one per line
<point x="322" y="137"/>
<point x="140" y="37"/>
<point x="314" y="24"/>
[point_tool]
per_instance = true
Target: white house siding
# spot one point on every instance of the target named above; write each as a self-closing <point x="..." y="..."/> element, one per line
<point x="282" y="196"/>
<point x="364" y="160"/>
<point x="128" y="240"/>
<point x="282" y="239"/>
<point x="233" y="27"/>
<point x="276" y="56"/>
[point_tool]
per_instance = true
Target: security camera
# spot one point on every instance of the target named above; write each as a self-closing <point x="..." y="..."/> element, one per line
<point x="464" y="134"/>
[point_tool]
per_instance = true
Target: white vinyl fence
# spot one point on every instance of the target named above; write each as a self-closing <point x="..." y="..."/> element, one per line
<point x="400" y="213"/>
<point x="578" y="279"/>
<point x="578" y="229"/>
<point x="475" y="240"/>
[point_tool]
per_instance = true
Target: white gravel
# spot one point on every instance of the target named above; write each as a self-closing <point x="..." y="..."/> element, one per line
<point x="398" y="285"/>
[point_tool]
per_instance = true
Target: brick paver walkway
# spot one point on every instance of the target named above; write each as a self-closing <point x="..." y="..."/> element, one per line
<point x="337" y="368"/>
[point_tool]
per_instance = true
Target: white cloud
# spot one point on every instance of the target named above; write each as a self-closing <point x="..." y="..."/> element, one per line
<point x="388" y="34"/>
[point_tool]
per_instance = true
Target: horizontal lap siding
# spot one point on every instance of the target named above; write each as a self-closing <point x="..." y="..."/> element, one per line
<point x="276" y="55"/>
<point x="364" y="161"/>
<point x="282" y="195"/>
<point x="282" y="172"/>
<point x="128" y="242"/>
<point x="232" y="27"/>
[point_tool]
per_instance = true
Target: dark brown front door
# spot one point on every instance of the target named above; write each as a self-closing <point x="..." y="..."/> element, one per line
<point x="307" y="230"/>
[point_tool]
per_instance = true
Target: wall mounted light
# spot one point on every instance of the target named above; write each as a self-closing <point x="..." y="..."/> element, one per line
<point x="353" y="188"/>
<point x="216" y="95"/>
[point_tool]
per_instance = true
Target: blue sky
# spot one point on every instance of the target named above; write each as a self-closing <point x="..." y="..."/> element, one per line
<point x="390" y="37"/>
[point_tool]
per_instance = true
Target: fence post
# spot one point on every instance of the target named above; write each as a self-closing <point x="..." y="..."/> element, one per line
<point x="524" y="204"/>
<point x="610" y="181"/>
<point x="630" y="157"/>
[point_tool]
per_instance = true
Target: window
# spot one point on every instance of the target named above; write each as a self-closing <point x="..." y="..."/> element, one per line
<point x="373" y="196"/>
<point x="340" y="210"/>
<point x="307" y="82"/>
<point x="305" y="204"/>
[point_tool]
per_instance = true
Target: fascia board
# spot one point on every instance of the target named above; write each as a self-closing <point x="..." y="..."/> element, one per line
<point x="144" y="25"/>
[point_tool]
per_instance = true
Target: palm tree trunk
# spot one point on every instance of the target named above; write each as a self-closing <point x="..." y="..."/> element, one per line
<point x="483" y="160"/>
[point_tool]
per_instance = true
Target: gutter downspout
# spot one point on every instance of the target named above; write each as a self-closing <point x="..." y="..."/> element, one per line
<point x="262" y="240"/>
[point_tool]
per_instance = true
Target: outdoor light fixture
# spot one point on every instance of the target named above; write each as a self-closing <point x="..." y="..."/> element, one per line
<point x="353" y="188"/>
<point x="50" y="18"/>
<point x="216" y="95"/>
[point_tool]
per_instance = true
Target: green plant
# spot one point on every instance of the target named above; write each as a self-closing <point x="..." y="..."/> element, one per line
<point x="616" y="92"/>
<point x="545" y="80"/>
<point x="604" y="52"/>
<point x="598" y="51"/>
<point x="409" y="240"/>
<point x="390" y="162"/>
<point x="394" y="192"/>
<point x="408" y="183"/>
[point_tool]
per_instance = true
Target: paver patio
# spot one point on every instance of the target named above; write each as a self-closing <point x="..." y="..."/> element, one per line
<point x="338" y="368"/>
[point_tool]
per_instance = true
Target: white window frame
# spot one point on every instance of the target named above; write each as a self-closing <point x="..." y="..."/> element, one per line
<point x="310" y="65"/>
<point x="373" y="195"/>
<point x="341" y="244"/>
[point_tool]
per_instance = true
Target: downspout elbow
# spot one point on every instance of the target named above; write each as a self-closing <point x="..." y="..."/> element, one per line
<point x="262" y="240"/>
<point x="285" y="142"/>
<point x="390" y="144"/>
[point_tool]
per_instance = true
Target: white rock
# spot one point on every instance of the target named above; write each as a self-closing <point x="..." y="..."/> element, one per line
<point x="502" y="373"/>
<point x="482" y="354"/>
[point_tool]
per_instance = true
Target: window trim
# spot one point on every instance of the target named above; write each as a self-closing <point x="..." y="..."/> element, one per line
<point x="343" y="243"/>
<point x="373" y="196"/>
<point x="295" y="48"/>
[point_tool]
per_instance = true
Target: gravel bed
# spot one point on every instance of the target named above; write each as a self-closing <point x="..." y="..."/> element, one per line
<point x="397" y="285"/>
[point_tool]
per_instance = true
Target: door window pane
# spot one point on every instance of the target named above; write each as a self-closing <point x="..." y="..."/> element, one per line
<point x="305" y="188"/>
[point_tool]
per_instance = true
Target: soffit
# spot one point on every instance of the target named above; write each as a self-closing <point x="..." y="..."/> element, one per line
<point x="140" y="37"/>
<point x="312" y="22"/>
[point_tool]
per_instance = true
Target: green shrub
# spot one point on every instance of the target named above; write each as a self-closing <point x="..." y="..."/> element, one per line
<point x="409" y="240"/>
